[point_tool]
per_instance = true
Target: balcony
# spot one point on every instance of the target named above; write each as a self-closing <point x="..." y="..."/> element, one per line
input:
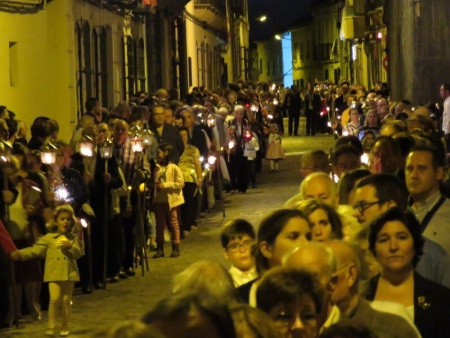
<point x="212" y="12"/>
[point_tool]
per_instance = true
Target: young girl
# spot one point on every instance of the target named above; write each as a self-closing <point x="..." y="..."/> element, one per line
<point x="169" y="183"/>
<point x="275" y="152"/>
<point x="61" y="250"/>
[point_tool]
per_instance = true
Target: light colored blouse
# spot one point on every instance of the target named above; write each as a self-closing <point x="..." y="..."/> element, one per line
<point x="187" y="163"/>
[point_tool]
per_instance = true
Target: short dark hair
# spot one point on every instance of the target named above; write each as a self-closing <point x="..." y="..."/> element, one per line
<point x="350" y="140"/>
<point x="284" y="285"/>
<point x="388" y="188"/>
<point x="12" y="126"/>
<point x="437" y="159"/>
<point x="344" y="149"/>
<point x="236" y="228"/>
<point x="269" y="228"/>
<point x="90" y="103"/>
<point x="392" y="143"/>
<point x="446" y="86"/>
<point x="166" y="147"/>
<point x="347" y="183"/>
<point x="179" y="305"/>
<point x="409" y="221"/>
<point x="40" y="127"/>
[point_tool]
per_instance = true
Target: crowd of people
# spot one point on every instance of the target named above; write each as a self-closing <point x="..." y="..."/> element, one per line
<point x="361" y="251"/>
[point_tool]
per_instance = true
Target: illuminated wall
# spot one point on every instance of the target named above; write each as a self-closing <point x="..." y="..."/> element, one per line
<point x="39" y="60"/>
<point x="270" y="60"/>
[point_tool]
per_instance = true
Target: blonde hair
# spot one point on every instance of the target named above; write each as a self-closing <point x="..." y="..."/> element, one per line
<point x="52" y="227"/>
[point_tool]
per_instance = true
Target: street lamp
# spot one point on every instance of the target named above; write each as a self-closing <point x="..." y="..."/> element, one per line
<point x="262" y="18"/>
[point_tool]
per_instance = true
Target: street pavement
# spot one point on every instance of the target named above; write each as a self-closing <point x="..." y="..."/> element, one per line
<point x="131" y="298"/>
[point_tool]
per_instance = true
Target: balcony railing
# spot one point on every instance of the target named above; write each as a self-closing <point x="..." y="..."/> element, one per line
<point x="220" y="5"/>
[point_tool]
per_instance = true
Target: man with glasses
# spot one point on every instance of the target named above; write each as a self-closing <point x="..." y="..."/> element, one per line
<point x="374" y="195"/>
<point x="377" y="193"/>
<point x="345" y="295"/>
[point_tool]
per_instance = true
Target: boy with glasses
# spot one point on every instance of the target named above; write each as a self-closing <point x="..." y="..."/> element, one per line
<point x="238" y="239"/>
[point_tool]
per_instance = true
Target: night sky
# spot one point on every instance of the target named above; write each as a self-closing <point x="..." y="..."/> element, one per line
<point x="280" y="14"/>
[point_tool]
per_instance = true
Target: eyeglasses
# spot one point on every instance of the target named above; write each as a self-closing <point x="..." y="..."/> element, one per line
<point x="362" y="206"/>
<point x="235" y="247"/>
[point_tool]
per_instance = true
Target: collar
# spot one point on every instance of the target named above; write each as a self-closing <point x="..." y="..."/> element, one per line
<point x="334" y="317"/>
<point x="427" y="205"/>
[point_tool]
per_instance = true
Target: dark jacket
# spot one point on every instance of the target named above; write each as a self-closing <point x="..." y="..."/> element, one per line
<point x="431" y="306"/>
<point x="383" y="324"/>
<point x="171" y="136"/>
<point x="316" y="103"/>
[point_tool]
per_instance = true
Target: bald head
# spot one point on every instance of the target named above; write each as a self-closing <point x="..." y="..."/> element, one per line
<point x="315" y="258"/>
<point x="345" y="291"/>
<point x="319" y="186"/>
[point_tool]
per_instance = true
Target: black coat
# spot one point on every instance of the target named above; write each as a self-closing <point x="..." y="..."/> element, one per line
<point x="171" y="136"/>
<point x="431" y="306"/>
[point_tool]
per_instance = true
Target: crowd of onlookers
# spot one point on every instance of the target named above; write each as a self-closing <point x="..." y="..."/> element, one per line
<point x="361" y="251"/>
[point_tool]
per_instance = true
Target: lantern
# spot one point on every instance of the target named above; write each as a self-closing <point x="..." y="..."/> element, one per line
<point x="136" y="139"/>
<point x="248" y="135"/>
<point x="87" y="146"/>
<point x="48" y="153"/>
<point x="147" y="136"/>
<point x="106" y="150"/>
<point x="211" y="121"/>
<point x="212" y="159"/>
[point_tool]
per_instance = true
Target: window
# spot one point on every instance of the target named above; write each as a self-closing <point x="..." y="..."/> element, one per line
<point x="140" y="67"/>
<point x="190" y="71"/>
<point x="295" y="52"/>
<point x="260" y="66"/>
<point x="100" y="66"/>
<point x="129" y="67"/>
<point x="84" y="69"/>
<point x="268" y="67"/>
<point x="13" y="64"/>
<point x="308" y="51"/>
<point x="301" y="51"/>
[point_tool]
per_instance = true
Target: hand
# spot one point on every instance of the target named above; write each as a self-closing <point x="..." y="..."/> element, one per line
<point x="107" y="178"/>
<point x="159" y="186"/>
<point x="29" y="209"/>
<point x="199" y="183"/>
<point x="64" y="243"/>
<point x="140" y="174"/>
<point x="87" y="177"/>
<point x="8" y="196"/>
<point x="15" y="255"/>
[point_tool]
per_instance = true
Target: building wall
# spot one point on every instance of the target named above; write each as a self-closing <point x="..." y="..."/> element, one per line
<point x="306" y="69"/>
<point x="418" y="68"/>
<point x="39" y="60"/>
<point x="270" y="60"/>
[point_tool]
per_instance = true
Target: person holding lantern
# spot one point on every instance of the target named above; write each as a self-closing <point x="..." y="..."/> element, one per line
<point x="240" y="133"/>
<point x="24" y="232"/>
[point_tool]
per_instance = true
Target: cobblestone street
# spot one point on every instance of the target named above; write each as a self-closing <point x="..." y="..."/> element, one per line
<point x="131" y="298"/>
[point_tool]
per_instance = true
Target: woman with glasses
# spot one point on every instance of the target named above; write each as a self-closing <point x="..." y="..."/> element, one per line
<point x="293" y="298"/>
<point x="279" y="232"/>
<point x="396" y="242"/>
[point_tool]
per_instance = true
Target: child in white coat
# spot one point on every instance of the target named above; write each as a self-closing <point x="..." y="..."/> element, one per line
<point x="61" y="250"/>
